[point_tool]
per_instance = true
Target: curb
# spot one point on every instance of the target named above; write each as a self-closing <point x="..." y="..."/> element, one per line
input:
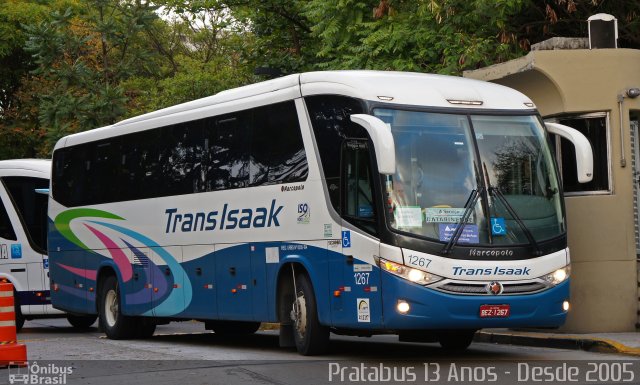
<point x="555" y="341"/>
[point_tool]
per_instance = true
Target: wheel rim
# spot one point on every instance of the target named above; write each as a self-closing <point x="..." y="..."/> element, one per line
<point x="111" y="308"/>
<point x="299" y="314"/>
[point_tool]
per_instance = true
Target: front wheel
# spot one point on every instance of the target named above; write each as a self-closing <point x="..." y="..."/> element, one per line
<point x="456" y="340"/>
<point x="115" y="325"/>
<point x="18" y="312"/>
<point x="310" y="336"/>
<point x="81" y="321"/>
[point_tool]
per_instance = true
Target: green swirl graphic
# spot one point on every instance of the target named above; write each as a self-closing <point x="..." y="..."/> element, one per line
<point x="63" y="219"/>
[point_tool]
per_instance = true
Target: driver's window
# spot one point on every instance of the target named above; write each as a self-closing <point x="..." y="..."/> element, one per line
<point x="358" y="198"/>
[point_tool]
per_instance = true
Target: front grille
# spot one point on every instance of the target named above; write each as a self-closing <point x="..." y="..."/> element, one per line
<point x="523" y="288"/>
<point x="464" y="288"/>
<point x="479" y="288"/>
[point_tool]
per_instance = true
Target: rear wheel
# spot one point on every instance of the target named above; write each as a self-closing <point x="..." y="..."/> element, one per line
<point x="145" y="327"/>
<point x="115" y="325"/>
<point x="81" y="321"/>
<point x="310" y="336"/>
<point x="456" y="340"/>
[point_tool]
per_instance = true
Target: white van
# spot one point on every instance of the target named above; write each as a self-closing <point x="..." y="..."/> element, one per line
<point x="24" y="189"/>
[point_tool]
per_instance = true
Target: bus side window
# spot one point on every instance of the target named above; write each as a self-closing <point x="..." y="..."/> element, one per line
<point x="228" y="146"/>
<point x="31" y="207"/>
<point x="277" y="151"/>
<point x="6" y="230"/>
<point x="359" y="206"/>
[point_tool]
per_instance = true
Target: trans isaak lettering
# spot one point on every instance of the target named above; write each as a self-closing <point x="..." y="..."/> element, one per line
<point x="228" y="218"/>
<point x="459" y="270"/>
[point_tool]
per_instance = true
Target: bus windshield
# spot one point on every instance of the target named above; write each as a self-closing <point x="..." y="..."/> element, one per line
<point x="444" y="160"/>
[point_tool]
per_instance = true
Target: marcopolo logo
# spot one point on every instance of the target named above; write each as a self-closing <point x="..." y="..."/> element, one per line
<point x="226" y="219"/>
<point x="299" y="187"/>
<point x="40" y="374"/>
<point x="491" y="253"/>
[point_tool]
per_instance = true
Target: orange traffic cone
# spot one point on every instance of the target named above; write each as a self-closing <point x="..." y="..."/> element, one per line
<point x="11" y="352"/>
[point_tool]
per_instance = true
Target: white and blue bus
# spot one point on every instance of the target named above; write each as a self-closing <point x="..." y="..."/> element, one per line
<point x="24" y="188"/>
<point x="352" y="202"/>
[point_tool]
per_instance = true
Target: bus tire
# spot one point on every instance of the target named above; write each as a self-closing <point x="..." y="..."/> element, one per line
<point x="115" y="325"/>
<point x="456" y="340"/>
<point x="145" y="327"/>
<point x="310" y="336"/>
<point x="18" y="312"/>
<point x="81" y="321"/>
<point x="233" y="327"/>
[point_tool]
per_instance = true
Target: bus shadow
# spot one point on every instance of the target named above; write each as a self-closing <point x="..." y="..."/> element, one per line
<point x="345" y="348"/>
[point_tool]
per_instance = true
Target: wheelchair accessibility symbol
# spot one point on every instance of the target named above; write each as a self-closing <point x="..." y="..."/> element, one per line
<point x="498" y="226"/>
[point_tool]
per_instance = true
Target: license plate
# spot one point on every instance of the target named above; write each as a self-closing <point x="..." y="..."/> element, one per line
<point x="495" y="311"/>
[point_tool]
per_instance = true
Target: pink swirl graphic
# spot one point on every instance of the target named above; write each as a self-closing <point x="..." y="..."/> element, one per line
<point x="118" y="256"/>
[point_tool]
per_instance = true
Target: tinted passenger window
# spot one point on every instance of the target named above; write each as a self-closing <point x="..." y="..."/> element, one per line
<point x="31" y="206"/>
<point x="180" y="157"/>
<point x="277" y="151"/>
<point x="330" y="117"/>
<point x="6" y="230"/>
<point x="228" y="145"/>
<point x="262" y="145"/>
<point x="102" y="166"/>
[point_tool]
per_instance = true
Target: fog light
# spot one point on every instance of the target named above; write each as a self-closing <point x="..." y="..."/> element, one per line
<point x="565" y="306"/>
<point x="403" y="307"/>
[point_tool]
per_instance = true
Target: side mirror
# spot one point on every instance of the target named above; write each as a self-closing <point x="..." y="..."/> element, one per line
<point x="584" y="154"/>
<point x="383" y="143"/>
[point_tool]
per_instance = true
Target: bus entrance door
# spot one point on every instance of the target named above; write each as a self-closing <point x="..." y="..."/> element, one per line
<point x="359" y="303"/>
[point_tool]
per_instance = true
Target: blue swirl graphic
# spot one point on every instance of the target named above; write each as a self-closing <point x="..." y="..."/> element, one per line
<point x="175" y="302"/>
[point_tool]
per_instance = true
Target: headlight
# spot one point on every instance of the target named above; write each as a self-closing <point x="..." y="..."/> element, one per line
<point x="558" y="276"/>
<point x="414" y="275"/>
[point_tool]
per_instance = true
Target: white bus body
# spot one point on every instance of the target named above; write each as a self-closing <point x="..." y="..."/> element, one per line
<point x="325" y="201"/>
<point x="23" y="222"/>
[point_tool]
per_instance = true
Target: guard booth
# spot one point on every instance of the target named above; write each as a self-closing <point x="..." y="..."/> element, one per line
<point x="596" y="92"/>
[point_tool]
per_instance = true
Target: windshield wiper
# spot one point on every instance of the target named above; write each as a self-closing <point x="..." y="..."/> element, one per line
<point x="494" y="191"/>
<point x="469" y="206"/>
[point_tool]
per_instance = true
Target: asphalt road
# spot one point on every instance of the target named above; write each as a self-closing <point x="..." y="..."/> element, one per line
<point x="184" y="353"/>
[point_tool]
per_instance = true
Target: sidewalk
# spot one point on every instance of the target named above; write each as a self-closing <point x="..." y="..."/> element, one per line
<point x="624" y="343"/>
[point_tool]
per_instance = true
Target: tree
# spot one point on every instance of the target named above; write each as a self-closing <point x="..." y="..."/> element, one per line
<point x="426" y="36"/>
<point x="84" y="56"/>
<point x="449" y="36"/>
<point x="20" y="133"/>
<point x="203" y="48"/>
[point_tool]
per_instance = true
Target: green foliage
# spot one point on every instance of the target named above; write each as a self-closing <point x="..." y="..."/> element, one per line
<point x="444" y="36"/>
<point x="19" y="128"/>
<point x="194" y="80"/>
<point x="85" y="56"/>
<point x="204" y="49"/>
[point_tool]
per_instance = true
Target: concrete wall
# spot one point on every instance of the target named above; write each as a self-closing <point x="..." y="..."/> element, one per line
<point x="601" y="227"/>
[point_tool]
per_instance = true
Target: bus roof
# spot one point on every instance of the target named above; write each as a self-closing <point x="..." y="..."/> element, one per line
<point x="42" y="166"/>
<point x="401" y="88"/>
